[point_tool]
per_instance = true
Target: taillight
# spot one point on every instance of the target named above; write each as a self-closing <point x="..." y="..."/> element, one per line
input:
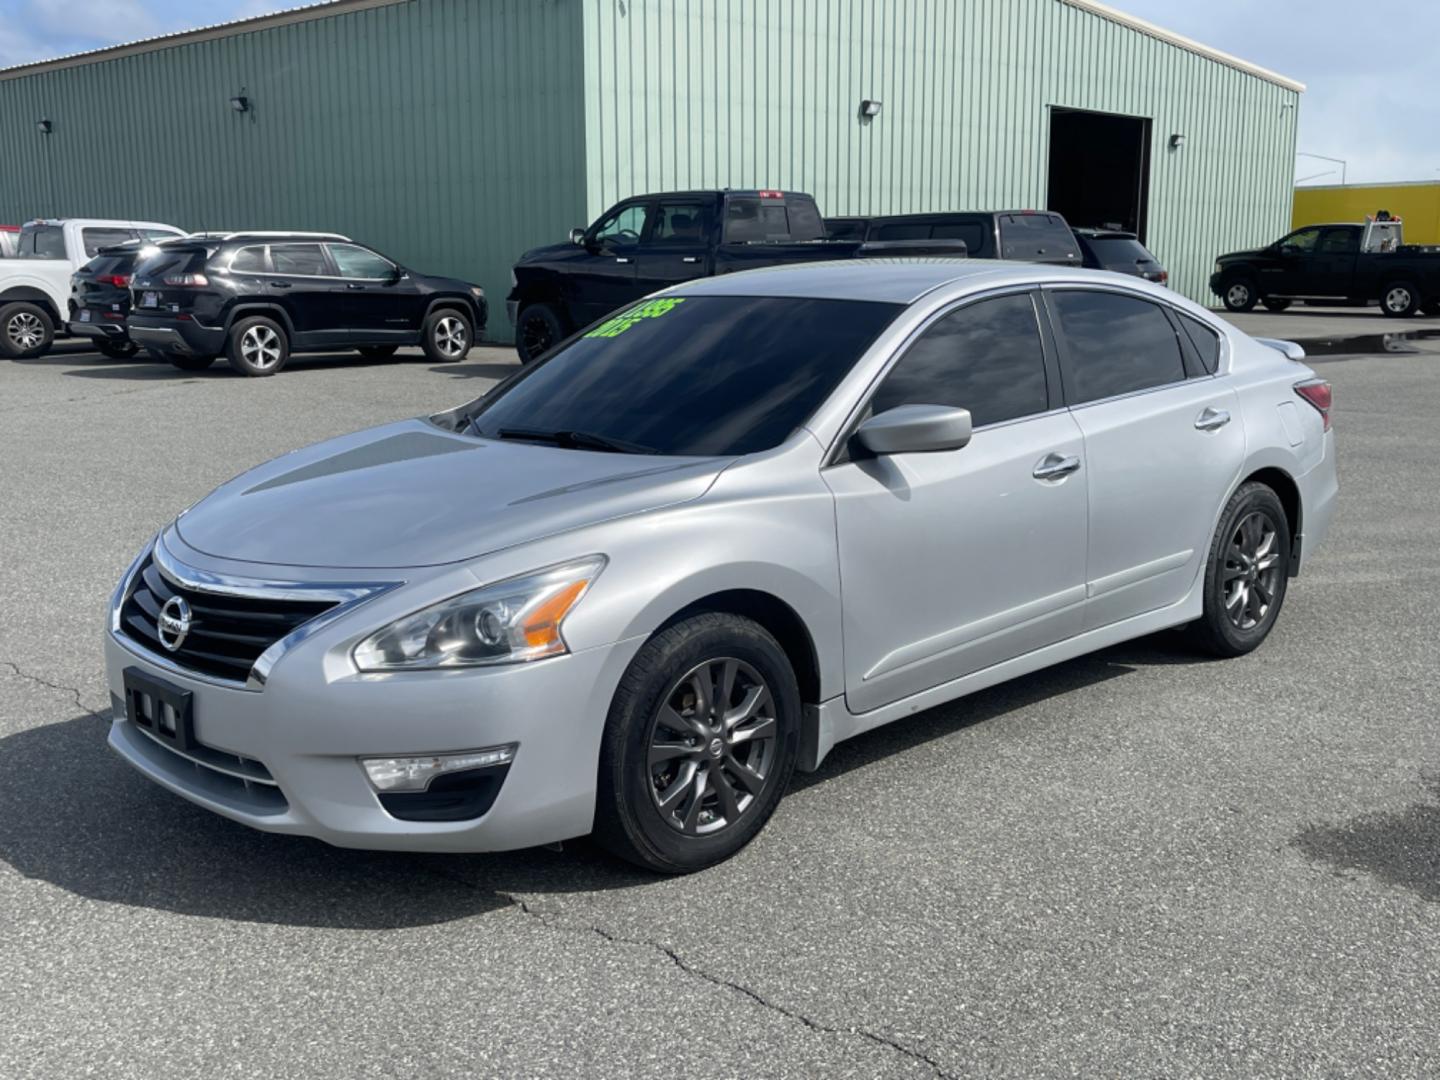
<point x="187" y="281"/>
<point x="772" y="194"/>
<point x="1317" y="393"/>
<point x="120" y="281"/>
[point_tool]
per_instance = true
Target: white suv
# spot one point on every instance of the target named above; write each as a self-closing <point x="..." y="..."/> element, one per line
<point x="35" y="284"/>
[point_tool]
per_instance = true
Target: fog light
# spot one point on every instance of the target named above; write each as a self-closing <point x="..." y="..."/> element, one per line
<point x="415" y="773"/>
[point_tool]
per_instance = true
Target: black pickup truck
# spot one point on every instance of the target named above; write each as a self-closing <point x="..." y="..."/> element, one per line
<point x="651" y="242"/>
<point x="1354" y="263"/>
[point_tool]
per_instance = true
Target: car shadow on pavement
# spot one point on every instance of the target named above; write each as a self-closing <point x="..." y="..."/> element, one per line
<point x="481" y="370"/>
<point x="1400" y="847"/>
<point x="73" y="815"/>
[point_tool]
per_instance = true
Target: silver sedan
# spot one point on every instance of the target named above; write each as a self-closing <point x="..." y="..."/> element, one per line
<point x="635" y="586"/>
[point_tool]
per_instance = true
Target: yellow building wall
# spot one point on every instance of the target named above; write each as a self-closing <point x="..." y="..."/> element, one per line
<point x="1417" y="205"/>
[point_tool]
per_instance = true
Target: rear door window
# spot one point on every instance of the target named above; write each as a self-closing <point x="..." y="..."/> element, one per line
<point x="1116" y="344"/>
<point x="1339" y="242"/>
<point x="41" y="242"/>
<point x="681" y="223"/>
<point x="96" y="238"/>
<point x="985" y="357"/>
<point x="298" y="260"/>
<point x="1030" y="237"/>
<point x="250" y="260"/>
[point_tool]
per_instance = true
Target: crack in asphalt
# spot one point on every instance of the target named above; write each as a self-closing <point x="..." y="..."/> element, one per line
<point x="690" y="969"/>
<point x="39" y="681"/>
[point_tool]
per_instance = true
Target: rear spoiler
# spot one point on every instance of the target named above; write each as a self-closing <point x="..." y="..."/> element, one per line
<point x="952" y="249"/>
<point x="1291" y="349"/>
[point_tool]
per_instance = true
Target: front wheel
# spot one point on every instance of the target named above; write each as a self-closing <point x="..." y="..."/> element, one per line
<point x="26" y="330"/>
<point x="118" y="350"/>
<point x="1239" y="295"/>
<point x="699" y="746"/>
<point x="446" y="336"/>
<point x="1275" y="303"/>
<point x="257" y="346"/>
<point x="1247" y="573"/>
<point x="537" y="331"/>
<point x="1399" y="300"/>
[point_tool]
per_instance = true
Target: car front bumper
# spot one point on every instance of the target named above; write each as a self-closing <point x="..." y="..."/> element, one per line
<point x="285" y="757"/>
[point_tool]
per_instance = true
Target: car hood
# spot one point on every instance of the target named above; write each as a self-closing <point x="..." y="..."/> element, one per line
<point x="1230" y="256"/>
<point x="411" y="494"/>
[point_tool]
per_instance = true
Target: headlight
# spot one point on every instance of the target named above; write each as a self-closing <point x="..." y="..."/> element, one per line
<point x="477" y="292"/>
<point x="503" y="623"/>
<point x="1217" y="268"/>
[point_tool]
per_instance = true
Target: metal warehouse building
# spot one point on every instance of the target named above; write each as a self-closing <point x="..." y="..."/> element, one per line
<point x="454" y="134"/>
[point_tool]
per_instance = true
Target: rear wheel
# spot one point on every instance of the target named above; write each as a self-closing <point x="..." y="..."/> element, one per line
<point x="1276" y="303"/>
<point x="1247" y="573"/>
<point x="188" y="363"/>
<point x="257" y="346"/>
<point x="118" y="350"/>
<point x="377" y="352"/>
<point x="26" y="330"/>
<point x="1239" y="294"/>
<point x="446" y="336"/>
<point x="699" y="745"/>
<point x="537" y="331"/>
<point x="1399" y="300"/>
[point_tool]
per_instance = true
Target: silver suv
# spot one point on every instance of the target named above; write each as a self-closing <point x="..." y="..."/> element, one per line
<point x="635" y="586"/>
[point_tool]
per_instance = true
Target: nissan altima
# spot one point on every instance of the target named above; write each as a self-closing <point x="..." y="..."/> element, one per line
<point x="634" y="587"/>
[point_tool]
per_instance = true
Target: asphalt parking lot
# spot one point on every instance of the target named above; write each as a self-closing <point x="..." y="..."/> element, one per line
<point x="1136" y="864"/>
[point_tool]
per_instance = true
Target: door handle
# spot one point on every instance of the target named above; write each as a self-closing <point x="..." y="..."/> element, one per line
<point x="281" y="284"/>
<point x="1212" y="419"/>
<point x="1056" y="466"/>
<point x="621" y="259"/>
<point x="353" y="285"/>
<point x="691" y="259"/>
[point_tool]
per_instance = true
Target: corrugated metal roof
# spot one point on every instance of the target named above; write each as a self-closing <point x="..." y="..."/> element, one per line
<point x="324" y="9"/>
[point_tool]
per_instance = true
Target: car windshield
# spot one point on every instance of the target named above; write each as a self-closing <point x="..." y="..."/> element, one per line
<point x="689" y="375"/>
<point x="1119" y="250"/>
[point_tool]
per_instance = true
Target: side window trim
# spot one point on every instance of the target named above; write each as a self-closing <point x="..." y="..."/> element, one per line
<point x="838" y="452"/>
<point x="1067" y="377"/>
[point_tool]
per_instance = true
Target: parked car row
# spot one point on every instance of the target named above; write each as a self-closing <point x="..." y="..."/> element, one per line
<point x="253" y="297"/>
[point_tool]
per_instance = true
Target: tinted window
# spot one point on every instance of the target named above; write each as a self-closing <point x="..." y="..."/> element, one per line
<point x="358" y="262"/>
<point x="749" y="220"/>
<point x="972" y="232"/>
<point x="250" y="260"/>
<point x="681" y="223"/>
<point x="41" y="242"/>
<point x="901" y="232"/>
<point x="1117" y="344"/>
<point x="694" y="375"/>
<point x="845" y="229"/>
<point x="624" y="226"/>
<point x="109" y="264"/>
<point x="306" y="260"/>
<point x="158" y="234"/>
<point x="1339" y="241"/>
<point x="172" y="261"/>
<point x="1304" y="240"/>
<point x="95" y="239"/>
<point x="1120" y="251"/>
<point x="1205" y="340"/>
<point x="985" y="357"/>
<point x="805" y="221"/>
<point x="1036" y="236"/>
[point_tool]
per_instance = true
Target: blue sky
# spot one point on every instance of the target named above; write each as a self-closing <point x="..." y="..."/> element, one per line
<point x="1373" y="93"/>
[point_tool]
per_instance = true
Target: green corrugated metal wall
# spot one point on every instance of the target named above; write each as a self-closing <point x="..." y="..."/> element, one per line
<point x="454" y="134"/>
<point x="750" y="93"/>
<point x="447" y="133"/>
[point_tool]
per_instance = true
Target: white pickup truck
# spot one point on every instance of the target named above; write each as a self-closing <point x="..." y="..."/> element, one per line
<point x="35" y="283"/>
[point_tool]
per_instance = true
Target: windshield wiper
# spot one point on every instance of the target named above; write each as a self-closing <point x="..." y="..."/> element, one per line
<point x="577" y="440"/>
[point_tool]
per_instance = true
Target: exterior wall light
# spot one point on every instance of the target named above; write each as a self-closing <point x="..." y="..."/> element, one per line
<point x="240" y="103"/>
<point x="1177" y="141"/>
<point x="869" y="109"/>
<point x="44" y="127"/>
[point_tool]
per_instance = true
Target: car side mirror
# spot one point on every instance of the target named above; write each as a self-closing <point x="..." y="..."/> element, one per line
<point x="577" y="236"/>
<point x="915" y="429"/>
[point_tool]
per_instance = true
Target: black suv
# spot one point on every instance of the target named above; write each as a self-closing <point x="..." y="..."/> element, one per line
<point x="257" y="297"/>
<point x="100" y="297"/>
<point x="1120" y="251"/>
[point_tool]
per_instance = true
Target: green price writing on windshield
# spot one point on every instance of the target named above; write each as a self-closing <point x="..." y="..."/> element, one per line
<point x="651" y="309"/>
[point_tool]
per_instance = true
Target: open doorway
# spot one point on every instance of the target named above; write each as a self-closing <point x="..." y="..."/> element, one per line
<point x="1100" y="169"/>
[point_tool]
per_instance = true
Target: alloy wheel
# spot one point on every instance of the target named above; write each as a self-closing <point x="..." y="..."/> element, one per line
<point x="1252" y="570"/>
<point x="451" y="337"/>
<point x="536" y="335"/>
<point x="260" y="346"/>
<point x="1238" y="294"/>
<point x="712" y="748"/>
<point x="1398" y="299"/>
<point x="25" y="331"/>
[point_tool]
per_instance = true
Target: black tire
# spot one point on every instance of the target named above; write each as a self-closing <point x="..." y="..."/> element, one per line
<point x="669" y="668"/>
<point x="1237" y="617"/>
<point x="1238" y="294"/>
<point x="117" y="350"/>
<point x="1399" y="299"/>
<point x="258" y="346"/>
<point x="26" y="330"/>
<point x="447" y="335"/>
<point x="189" y="363"/>
<point x="377" y="352"/>
<point x="1276" y="303"/>
<point x="537" y="330"/>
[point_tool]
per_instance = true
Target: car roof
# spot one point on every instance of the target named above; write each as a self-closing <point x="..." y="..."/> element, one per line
<point x="107" y="223"/>
<point x="887" y="280"/>
<point x="1103" y="234"/>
